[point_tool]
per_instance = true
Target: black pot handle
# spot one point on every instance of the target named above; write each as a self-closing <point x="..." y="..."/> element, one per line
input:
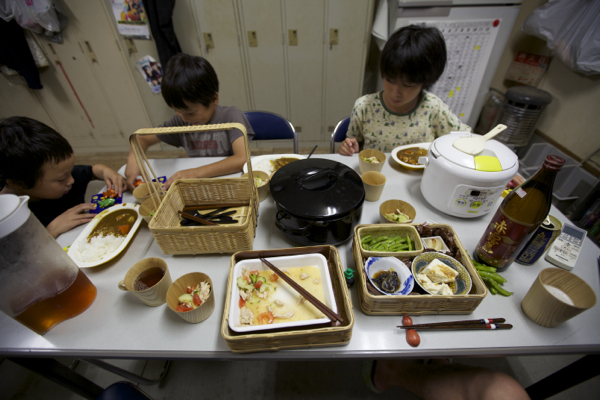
<point x="304" y="177"/>
<point x="292" y="231"/>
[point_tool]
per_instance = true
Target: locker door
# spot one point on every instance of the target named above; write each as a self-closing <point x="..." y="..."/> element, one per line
<point x="217" y="21"/>
<point x="306" y="21"/>
<point x="21" y="101"/>
<point x="76" y="91"/>
<point x="98" y="37"/>
<point x="262" y="23"/>
<point x="346" y="60"/>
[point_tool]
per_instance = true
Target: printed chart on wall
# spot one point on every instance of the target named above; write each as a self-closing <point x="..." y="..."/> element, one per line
<point x="469" y="46"/>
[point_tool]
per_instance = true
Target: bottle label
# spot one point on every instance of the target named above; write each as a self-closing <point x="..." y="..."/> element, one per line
<point x="520" y="192"/>
<point x="500" y="240"/>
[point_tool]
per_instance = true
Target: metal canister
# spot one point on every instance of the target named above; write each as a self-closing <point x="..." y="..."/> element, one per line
<point x="541" y="240"/>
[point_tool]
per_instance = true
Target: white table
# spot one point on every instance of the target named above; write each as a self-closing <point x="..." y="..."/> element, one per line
<point x="118" y="325"/>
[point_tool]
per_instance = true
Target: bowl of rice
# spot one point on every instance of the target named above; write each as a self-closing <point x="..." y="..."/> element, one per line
<point x="91" y="249"/>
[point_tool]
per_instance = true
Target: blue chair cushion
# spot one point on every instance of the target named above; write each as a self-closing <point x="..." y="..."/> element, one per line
<point x="123" y="391"/>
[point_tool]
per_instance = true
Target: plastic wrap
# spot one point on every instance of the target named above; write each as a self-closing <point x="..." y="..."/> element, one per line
<point x="571" y="29"/>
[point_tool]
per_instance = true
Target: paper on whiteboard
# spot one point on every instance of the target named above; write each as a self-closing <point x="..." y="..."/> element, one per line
<point x="469" y="46"/>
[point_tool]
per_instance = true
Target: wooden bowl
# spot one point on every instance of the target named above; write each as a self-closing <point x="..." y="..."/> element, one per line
<point x="263" y="190"/>
<point x="568" y="296"/>
<point x="390" y="206"/>
<point x="141" y="192"/>
<point x="365" y="166"/>
<point x="179" y="287"/>
<point x="147" y="208"/>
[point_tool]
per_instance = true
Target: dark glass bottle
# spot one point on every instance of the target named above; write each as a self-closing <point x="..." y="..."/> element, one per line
<point x="519" y="215"/>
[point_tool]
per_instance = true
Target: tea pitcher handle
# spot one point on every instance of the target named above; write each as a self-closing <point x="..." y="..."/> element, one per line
<point x="122" y="286"/>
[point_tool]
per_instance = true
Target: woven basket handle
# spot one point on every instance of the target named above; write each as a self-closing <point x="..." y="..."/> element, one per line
<point x="142" y="160"/>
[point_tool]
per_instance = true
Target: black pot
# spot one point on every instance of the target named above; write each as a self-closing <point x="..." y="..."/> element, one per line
<point x="318" y="201"/>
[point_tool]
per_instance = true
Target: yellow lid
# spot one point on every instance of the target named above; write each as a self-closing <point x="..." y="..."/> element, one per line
<point x="487" y="164"/>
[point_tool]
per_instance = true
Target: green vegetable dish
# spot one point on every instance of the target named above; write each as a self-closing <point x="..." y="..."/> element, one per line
<point x="372" y="160"/>
<point x="492" y="279"/>
<point x="257" y="181"/>
<point x="387" y="243"/>
<point x="397" y="216"/>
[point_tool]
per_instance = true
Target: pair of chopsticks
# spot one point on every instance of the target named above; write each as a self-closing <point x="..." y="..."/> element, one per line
<point x="474" y="324"/>
<point x="197" y="219"/>
<point x="210" y="207"/>
<point x="315" y="302"/>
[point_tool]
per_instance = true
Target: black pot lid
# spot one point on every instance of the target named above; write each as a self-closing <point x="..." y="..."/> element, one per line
<point x="317" y="189"/>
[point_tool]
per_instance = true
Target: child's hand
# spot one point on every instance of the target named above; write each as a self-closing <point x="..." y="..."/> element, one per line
<point x="349" y="147"/>
<point x="70" y="219"/>
<point x="185" y="174"/>
<point x="115" y="181"/>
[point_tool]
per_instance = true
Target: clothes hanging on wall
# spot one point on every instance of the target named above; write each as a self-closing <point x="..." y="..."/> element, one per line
<point x="15" y="53"/>
<point x="160" y="13"/>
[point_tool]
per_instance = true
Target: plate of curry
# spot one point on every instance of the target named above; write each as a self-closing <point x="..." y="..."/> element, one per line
<point x="272" y="162"/>
<point x="121" y="221"/>
<point x="408" y="155"/>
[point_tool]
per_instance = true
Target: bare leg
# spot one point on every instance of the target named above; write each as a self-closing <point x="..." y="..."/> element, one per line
<point x="447" y="381"/>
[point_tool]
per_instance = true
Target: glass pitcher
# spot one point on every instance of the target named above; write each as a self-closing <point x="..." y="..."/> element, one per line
<point x="40" y="286"/>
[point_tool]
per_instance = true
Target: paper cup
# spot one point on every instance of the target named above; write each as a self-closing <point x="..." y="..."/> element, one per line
<point x="365" y="166"/>
<point x="263" y="190"/>
<point x="179" y="287"/>
<point x="373" y="182"/>
<point x="155" y="295"/>
<point x="556" y="296"/>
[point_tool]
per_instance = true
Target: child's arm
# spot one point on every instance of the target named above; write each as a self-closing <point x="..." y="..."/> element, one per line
<point x="350" y="145"/>
<point x="132" y="170"/>
<point x="110" y="177"/>
<point x="70" y="219"/>
<point x="230" y="165"/>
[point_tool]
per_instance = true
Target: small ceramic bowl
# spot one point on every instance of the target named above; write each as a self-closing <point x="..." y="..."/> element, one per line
<point x="435" y="242"/>
<point x="376" y="264"/>
<point x="263" y="189"/>
<point x="179" y="287"/>
<point x="390" y="206"/>
<point x="365" y="166"/>
<point x="462" y="285"/>
<point x="141" y="192"/>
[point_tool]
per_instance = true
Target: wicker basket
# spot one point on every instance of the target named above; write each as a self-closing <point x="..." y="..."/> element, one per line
<point x="390" y="230"/>
<point x="417" y="304"/>
<point x="289" y="338"/>
<point x="175" y="239"/>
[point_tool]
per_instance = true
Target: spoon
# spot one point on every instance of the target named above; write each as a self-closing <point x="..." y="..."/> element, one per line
<point x="475" y="144"/>
<point x="312" y="151"/>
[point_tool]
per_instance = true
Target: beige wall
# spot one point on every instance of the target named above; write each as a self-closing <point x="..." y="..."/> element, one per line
<point x="573" y="117"/>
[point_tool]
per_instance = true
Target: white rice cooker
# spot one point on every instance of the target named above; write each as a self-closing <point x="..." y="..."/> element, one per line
<point x="465" y="185"/>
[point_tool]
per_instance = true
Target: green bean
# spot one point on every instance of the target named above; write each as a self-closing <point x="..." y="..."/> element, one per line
<point x="485" y="268"/>
<point x="499" y="288"/>
<point x="400" y="240"/>
<point x="366" y="239"/>
<point x="410" y="245"/>
<point x="492" y="275"/>
<point x="379" y="239"/>
<point x="492" y="290"/>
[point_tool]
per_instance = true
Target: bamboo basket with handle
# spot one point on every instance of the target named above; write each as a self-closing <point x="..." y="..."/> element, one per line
<point x="164" y="225"/>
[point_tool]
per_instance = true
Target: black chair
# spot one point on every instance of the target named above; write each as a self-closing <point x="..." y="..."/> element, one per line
<point x="339" y="133"/>
<point x="268" y="126"/>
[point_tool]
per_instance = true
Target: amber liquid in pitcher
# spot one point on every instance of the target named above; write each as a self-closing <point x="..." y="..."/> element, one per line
<point x="517" y="218"/>
<point x="40" y="317"/>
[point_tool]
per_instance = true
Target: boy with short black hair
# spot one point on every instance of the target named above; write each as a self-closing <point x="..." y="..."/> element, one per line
<point x="412" y="60"/>
<point x="190" y="87"/>
<point x="37" y="161"/>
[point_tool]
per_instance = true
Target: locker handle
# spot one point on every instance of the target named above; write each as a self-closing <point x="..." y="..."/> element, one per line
<point x="252" y="40"/>
<point x="208" y="40"/>
<point x="91" y="52"/>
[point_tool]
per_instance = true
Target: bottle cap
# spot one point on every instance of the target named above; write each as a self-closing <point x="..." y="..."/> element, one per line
<point x="553" y="162"/>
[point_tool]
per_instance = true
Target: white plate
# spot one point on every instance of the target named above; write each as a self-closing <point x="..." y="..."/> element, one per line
<point x="263" y="163"/>
<point x="283" y="289"/>
<point x="74" y="254"/>
<point x="407" y="146"/>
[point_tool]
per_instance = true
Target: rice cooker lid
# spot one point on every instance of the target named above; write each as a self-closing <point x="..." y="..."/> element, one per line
<point x="495" y="157"/>
<point x="317" y="189"/>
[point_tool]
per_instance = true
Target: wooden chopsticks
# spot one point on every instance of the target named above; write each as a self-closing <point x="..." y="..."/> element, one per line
<point x="315" y="302"/>
<point x="194" y="218"/>
<point x="474" y="324"/>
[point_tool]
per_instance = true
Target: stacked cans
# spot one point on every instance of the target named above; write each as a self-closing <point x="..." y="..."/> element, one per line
<point x="541" y="240"/>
